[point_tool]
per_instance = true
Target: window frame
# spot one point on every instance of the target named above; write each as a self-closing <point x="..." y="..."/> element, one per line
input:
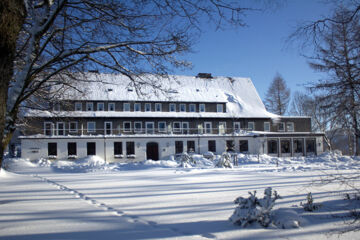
<point x="89" y="151"/>
<point x="73" y="130"/>
<point x="147" y="107"/>
<point x="70" y="148"/>
<point x="158" y="107"/>
<point x="130" y="148"/>
<point x="162" y="129"/>
<point x="290" y="124"/>
<point x="98" y="108"/>
<point x="269" y="127"/>
<point x="178" y="130"/>
<point x="138" y="130"/>
<point x="283" y="127"/>
<point x="127" y="129"/>
<point x="105" y="128"/>
<point x="118" y="148"/>
<point x="179" y="145"/>
<point x="88" y="129"/>
<point x="182" y="107"/>
<point x="244" y="146"/>
<point x="58" y="129"/>
<point x="89" y="105"/>
<point x="269" y="142"/>
<point x="219" y="108"/>
<point x="202" y="107"/>
<point x="76" y="105"/>
<point x="210" y="142"/>
<point x="51" y="129"/>
<point x="126" y="107"/>
<point x="206" y="129"/>
<point x="152" y="129"/>
<point x="109" y="108"/>
<point x="51" y="151"/>
<point x="137" y="107"/>
<point x="192" y="107"/>
<point x="185" y="130"/>
<point x="249" y="128"/>
<point x="170" y="107"/>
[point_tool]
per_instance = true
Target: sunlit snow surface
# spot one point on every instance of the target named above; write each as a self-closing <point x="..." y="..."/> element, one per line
<point x="90" y="199"/>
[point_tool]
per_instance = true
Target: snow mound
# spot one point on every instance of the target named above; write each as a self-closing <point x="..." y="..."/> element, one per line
<point x="287" y="218"/>
<point x="87" y="164"/>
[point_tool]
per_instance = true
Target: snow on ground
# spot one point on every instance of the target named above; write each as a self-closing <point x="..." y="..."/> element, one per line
<point x="91" y="199"/>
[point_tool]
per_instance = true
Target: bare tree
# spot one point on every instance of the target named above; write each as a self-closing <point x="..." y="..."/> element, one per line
<point x="278" y="96"/>
<point x="45" y="41"/>
<point x="336" y="41"/>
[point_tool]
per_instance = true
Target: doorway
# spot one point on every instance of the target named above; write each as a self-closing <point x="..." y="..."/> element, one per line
<point x="152" y="150"/>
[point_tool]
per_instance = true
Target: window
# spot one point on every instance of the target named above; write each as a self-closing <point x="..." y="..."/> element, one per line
<point x="272" y="146"/>
<point x="137" y="127"/>
<point x="219" y="108"/>
<point x="126" y="107"/>
<point x="52" y="149"/>
<point x="176" y="126"/>
<point x="147" y="107"/>
<point x="111" y="107"/>
<point x="298" y="145"/>
<point x="162" y="126"/>
<point x="100" y="106"/>
<point x="202" y="107"/>
<point x="208" y="127"/>
<point x="192" y="108"/>
<point x="130" y="148"/>
<point x="137" y="107"/>
<point x="237" y="127"/>
<point x="118" y="148"/>
<point x="185" y="127"/>
<point x="212" y="146"/>
<point x="71" y="148"/>
<point x="251" y="126"/>
<point x="91" y="127"/>
<point x="172" y="107"/>
<point x="285" y="146"/>
<point x="89" y="106"/>
<point x="73" y="127"/>
<point x="108" y="128"/>
<point x="91" y="148"/>
<point x="281" y="127"/>
<point x="60" y="128"/>
<point x="222" y="127"/>
<point x="230" y="145"/>
<point x="182" y="107"/>
<point x="158" y="107"/>
<point x="244" y="146"/>
<point x="149" y="127"/>
<point x="191" y="146"/>
<point x="48" y="128"/>
<point x="267" y="126"/>
<point x="310" y="146"/>
<point x="127" y="126"/>
<point x="78" y="106"/>
<point x="290" y="126"/>
<point x="56" y="107"/>
<point x="179" y="147"/>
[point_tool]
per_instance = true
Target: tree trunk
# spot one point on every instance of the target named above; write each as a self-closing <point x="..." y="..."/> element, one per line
<point x="12" y="17"/>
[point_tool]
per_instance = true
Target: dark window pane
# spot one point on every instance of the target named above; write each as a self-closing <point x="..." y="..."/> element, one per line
<point x="191" y="146"/>
<point x="298" y="145"/>
<point x="310" y="145"/>
<point x="71" y="148"/>
<point x="212" y="146"/>
<point x="272" y="146"/>
<point x="244" y="145"/>
<point x="91" y="148"/>
<point x="130" y="148"/>
<point x="285" y="146"/>
<point x="52" y="149"/>
<point x="230" y="145"/>
<point x="179" y="147"/>
<point x="117" y="148"/>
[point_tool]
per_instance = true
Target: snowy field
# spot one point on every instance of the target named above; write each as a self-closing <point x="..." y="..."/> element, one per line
<point x="89" y="199"/>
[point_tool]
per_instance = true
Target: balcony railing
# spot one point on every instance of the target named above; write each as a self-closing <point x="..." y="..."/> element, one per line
<point x="142" y="131"/>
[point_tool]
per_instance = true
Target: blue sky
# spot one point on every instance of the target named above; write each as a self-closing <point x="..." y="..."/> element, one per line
<point x="259" y="51"/>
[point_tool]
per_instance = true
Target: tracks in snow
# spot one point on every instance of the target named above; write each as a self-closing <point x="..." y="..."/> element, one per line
<point x="114" y="211"/>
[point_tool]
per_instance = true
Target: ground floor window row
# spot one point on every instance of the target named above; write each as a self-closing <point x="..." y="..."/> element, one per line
<point x="287" y="146"/>
<point x="149" y="127"/>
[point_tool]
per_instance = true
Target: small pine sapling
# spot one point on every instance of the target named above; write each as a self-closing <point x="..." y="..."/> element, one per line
<point x="310" y="205"/>
<point x="185" y="160"/>
<point x="225" y="161"/>
<point x="252" y="209"/>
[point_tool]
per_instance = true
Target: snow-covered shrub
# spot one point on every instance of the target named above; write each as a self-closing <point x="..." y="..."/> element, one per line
<point x="225" y="161"/>
<point x="309" y="205"/>
<point x="252" y="209"/>
<point x="185" y="160"/>
<point x="209" y="155"/>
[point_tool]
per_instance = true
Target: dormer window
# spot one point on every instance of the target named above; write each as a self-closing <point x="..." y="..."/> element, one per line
<point x="147" y="107"/>
<point x="137" y="107"/>
<point x="111" y="107"/>
<point x="56" y="107"/>
<point x="126" y="107"/>
<point x="172" y="107"/>
<point x="182" y="107"/>
<point x="100" y="106"/>
<point x="202" y="107"/>
<point x="158" y="107"/>
<point x="89" y="106"/>
<point x="219" y="108"/>
<point x="290" y="126"/>
<point x="281" y="127"/>
<point x="78" y="106"/>
<point x="192" y="108"/>
<point x="251" y="126"/>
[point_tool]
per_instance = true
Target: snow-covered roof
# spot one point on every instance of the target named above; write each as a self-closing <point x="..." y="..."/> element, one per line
<point x="239" y="94"/>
